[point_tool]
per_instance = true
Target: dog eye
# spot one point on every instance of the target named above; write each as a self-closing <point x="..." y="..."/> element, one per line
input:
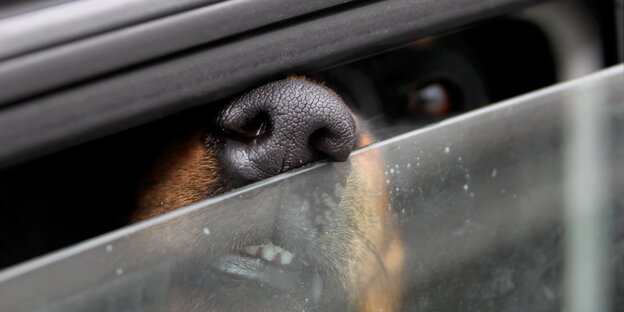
<point x="435" y="99"/>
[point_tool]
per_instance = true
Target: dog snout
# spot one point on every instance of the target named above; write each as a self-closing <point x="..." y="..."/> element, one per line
<point x="284" y="125"/>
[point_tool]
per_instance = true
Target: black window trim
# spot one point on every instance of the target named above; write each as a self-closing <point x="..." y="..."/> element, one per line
<point x="77" y="113"/>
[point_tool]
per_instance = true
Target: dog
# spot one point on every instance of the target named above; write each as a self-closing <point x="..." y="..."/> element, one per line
<point x="353" y="248"/>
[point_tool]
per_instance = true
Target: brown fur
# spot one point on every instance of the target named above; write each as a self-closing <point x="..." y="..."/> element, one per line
<point x="187" y="172"/>
<point x="383" y="286"/>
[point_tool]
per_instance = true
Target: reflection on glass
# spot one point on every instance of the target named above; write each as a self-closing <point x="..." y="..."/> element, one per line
<point x="463" y="215"/>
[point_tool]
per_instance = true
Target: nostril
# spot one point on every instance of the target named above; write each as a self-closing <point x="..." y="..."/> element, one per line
<point x="319" y="143"/>
<point x="318" y="140"/>
<point x="255" y="128"/>
<point x="334" y="145"/>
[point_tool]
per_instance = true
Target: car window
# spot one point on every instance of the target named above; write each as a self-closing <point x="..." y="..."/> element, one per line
<point x="481" y="222"/>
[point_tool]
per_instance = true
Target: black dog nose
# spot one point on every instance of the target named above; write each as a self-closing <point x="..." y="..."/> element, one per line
<point x="284" y="125"/>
